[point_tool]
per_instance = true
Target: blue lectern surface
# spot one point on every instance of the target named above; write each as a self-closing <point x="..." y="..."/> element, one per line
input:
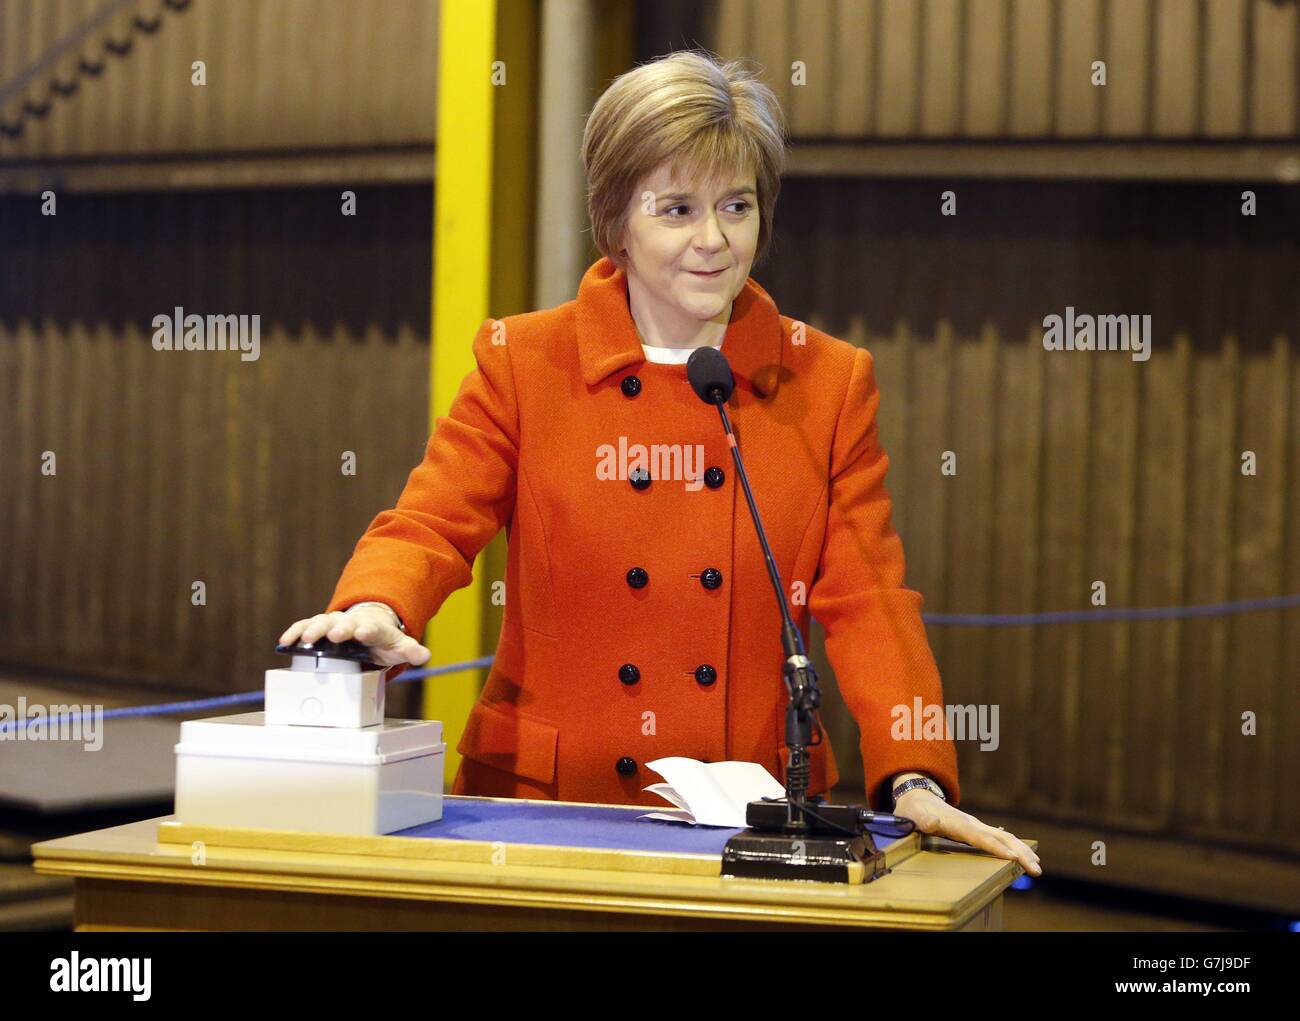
<point x="560" y="824"/>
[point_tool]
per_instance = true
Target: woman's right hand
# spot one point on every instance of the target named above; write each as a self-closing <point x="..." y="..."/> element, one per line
<point x="370" y="625"/>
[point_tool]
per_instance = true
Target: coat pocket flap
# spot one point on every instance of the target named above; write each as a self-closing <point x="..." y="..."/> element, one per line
<point x="506" y="740"/>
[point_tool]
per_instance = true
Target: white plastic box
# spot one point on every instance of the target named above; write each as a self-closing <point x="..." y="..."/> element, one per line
<point x="241" y="771"/>
<point x="324" y="692"/>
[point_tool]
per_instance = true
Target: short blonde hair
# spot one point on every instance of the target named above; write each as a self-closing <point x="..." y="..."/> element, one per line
<point x="707" y="117"/>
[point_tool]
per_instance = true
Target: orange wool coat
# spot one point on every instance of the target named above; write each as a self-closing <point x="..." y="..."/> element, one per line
<point x="639" y="619"/>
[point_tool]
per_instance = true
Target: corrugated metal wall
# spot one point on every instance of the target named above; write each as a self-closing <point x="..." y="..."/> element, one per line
<point x="285" y="74"/>
<point x="978" y="69"/>
<point x="1074" y="467"/>
<point x="280" y="74"/>
<point x="179" y="467"/>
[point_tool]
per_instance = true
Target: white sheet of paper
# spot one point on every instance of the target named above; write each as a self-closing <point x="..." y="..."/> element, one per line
<point x="665" y="817"/>
<point x="715" y="793"/>
<point x="665" y="791"/>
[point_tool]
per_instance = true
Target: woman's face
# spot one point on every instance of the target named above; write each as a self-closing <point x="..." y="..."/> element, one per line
<point x="676" y="228"/>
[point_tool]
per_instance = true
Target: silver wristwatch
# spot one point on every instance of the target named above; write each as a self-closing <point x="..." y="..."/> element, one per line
<point x="918" y="781"/>
<point x="383" y="606"/>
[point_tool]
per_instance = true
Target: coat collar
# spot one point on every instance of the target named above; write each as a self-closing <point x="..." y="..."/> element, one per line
<point x="608" y="341"/>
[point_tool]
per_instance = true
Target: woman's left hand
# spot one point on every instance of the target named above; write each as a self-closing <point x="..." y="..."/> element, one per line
<point x="934" y="815"/>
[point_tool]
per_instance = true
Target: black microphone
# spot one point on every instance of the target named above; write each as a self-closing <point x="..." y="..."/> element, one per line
<point x="799" y="837"/>
<point x="710" y="375"/>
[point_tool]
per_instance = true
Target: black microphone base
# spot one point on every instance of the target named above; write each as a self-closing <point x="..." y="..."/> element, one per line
<point x="821" y="854"/>
<point x="811" y="858"/>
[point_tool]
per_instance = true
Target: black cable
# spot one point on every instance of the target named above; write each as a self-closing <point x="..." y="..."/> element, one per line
<point x="908" y="826"/>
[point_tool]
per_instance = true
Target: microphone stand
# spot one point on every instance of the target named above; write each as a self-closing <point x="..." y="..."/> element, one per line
<point x="799" y="837"/>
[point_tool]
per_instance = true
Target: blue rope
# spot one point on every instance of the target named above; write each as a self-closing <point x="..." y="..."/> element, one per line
<point x="951" y="619"/>
<point x="1082" y="616"/>
<point x="245" y="697"/>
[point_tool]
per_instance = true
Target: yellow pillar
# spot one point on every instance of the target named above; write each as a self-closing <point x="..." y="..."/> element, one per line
<point x="482" y="251"/>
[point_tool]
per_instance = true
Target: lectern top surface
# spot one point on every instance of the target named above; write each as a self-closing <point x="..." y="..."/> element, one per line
<point x="564" y="824"/>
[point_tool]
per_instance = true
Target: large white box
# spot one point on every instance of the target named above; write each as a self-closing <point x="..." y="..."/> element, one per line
<point x="240" y="771"/>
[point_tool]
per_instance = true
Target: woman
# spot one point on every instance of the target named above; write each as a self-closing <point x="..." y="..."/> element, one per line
<point x="639" y="622"/>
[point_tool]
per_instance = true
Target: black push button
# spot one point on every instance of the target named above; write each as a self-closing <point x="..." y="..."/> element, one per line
<point x="711" y="578"/>
<point x="638" y="577"/>
<point x="705" y="674"/>
<point x="628" y="673"/>
<point x="639" y="477"/>
<point x="631" y="386"/>
<point x="626" y="765"/>
<point x="714" y="477"/>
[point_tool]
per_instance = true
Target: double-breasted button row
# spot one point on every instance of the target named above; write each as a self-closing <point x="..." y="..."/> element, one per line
<point x="630" y="673"/>
<point x="639" y="577"/>
<point x="640" y="478"/>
